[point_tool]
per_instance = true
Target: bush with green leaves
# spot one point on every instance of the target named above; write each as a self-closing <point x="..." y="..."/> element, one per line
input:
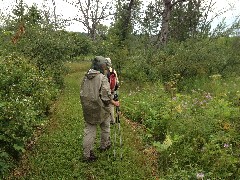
<point x="194" y="57"/>
<point x="48" y="49"/>
<point x="149" y="107"/>
<point x="25" y="96"/>
<point x="76" y="45"/>
<point x="195" y="133"/>
<point x="201" y="130"/>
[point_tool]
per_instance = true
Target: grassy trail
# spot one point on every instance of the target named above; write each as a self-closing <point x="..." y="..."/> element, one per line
<point x="58" y="150"/>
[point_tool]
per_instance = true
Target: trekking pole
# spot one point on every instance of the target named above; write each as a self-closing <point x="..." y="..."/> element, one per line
<point x="115" y="139"/>
<point x="119" y="131"/>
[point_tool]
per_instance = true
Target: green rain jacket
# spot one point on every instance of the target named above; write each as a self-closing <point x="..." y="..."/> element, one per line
<point x="95" y="95"/>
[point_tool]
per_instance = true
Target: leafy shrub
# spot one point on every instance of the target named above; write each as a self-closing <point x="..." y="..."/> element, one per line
<point x="195" y="133"/>
<point x="25" y="98"/>
<point x="194" y="57"/>
<point x="155" y="115"/>
<point x="46" y="48"/>
<point x="77" y="44"/>
<point x="139" y="69"/>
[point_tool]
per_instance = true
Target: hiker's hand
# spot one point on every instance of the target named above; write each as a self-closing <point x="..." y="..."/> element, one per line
<point x="116" y="103"/>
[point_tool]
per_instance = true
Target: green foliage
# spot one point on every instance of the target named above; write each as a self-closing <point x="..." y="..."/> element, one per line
<point x="154" y="115"/>
<point x="201" y="58"/>
<point x="47" y="47"/>
<point x="79" y="44"/>
<point x="25" y="98"/>
<point x="195" y="133"/>
<point x="191" y="18"/>
<point x="33" y="17"/>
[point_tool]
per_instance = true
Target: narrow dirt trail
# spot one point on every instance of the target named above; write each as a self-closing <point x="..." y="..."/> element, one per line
<point x="57" y="153"/>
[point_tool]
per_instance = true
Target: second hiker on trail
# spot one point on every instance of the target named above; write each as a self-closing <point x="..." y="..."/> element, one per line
<point x="114" y="84"/>
<point x="95" y="95"/>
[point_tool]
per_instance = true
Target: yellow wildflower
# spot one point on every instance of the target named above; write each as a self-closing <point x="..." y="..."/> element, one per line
<point x="178" y="108"/>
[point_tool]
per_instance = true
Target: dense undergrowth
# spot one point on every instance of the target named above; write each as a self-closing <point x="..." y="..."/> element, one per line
<point x="26" y="97"/>
<point x="187" y="96"/>
<point x="32" y="72"/>
<point x="196" y="131"/>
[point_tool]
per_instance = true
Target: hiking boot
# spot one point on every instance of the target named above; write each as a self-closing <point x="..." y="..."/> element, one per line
<point x="92" y="154"/>
<point x="101" y="149"/>
<point x="91" y="158"/>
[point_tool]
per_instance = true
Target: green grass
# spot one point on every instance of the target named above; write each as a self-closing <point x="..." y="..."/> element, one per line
<point x="58" y="150"/>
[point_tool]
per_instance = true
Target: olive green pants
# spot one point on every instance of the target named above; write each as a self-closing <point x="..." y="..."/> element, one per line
<point x="89" y="137"/>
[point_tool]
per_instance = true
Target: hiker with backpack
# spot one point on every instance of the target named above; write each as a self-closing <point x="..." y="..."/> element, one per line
<point x="114" y="84"/>
<point x="96" y="98"/>
<point x="115" y="121"/>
